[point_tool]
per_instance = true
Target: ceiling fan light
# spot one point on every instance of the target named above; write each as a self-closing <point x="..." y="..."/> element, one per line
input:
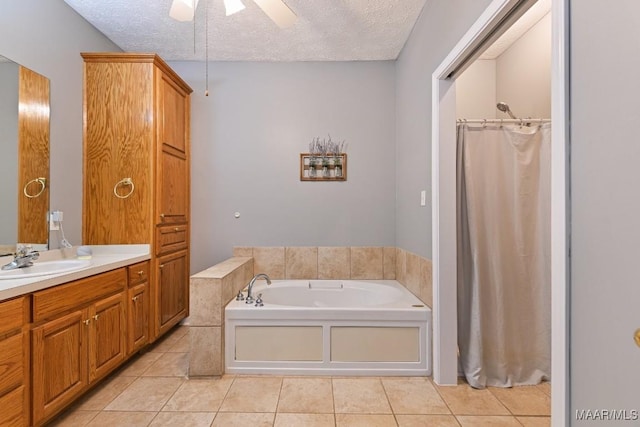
<point x="233" y="6"/>
<point x="183" y="10"/>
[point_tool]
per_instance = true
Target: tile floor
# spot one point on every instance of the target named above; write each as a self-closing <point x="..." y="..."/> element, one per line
<point x="152" y="390"/>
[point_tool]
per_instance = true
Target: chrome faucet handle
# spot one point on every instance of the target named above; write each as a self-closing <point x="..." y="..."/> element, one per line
<point x="249" y="300"/>
<point x="240" y="296"/>
<point x="259" y="302"/>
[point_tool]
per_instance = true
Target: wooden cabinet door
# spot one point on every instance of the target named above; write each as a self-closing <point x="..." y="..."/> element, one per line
<point x="12" y="405"/>
<point x="173" y="152"/>
<point x="173" y="290"/>
<point x="107" y="340"/>
<point x="118" y="144"/>
<point x="59" y="363"/>
<point x="138" y="317"/>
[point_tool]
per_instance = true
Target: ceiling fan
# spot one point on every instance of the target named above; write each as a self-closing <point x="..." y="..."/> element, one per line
<point x="277" y="10"/>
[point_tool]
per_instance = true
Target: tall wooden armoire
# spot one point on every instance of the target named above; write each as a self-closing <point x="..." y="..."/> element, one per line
<point x="136" y="170"/>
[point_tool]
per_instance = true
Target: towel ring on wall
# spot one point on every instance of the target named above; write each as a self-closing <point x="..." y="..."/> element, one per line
<point x="122" y="183"/>
<point x="43" y="186"/>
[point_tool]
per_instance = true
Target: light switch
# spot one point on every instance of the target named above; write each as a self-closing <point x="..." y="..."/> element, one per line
<point x="423" y="198"/>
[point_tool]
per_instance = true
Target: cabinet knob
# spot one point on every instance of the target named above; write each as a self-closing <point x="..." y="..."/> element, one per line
<point x="96" y="317"/>
<point x="161" y="265"/>
<point x="86" y="322"/>
<point x="162" y="215"/>
<point x="176" y="229"/>
<point x="140" y="273"/>
<point x="135" y="298"/>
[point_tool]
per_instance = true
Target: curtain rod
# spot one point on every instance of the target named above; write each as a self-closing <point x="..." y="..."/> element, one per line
<point x="501" y="121"/>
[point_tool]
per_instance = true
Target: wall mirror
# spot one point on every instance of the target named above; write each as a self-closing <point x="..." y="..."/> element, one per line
<point x="24" y="158"/>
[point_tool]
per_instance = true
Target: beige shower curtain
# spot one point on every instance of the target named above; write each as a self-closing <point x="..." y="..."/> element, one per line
<point x="504" y="302"/>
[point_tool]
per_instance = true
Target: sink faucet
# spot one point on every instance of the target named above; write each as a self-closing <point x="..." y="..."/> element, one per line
<point x="250" y="299"/>
<point x="24" y="257"/>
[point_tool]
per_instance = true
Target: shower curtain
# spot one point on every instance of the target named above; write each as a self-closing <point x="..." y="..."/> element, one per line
<point x="504" y="300"/>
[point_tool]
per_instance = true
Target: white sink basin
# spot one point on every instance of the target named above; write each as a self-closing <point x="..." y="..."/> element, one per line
<point x="45" y="268"/>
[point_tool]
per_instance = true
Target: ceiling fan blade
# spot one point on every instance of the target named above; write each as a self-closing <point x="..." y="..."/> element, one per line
<point x="183" y="10"/>
<point x="278" y="11"/>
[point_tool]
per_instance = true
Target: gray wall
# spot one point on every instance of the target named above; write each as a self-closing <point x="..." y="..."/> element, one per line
<point x="440" y="26"/>
<point x="8" y="153"/>
<point x="605" y="207"/>
<point x="523" y="73"/>
<point x="247" y="136"/>
<point x="47" y="37"/>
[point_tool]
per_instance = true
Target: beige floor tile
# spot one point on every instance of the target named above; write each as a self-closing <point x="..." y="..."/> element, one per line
<point x="235" y="419"/>
<point x="414" y="397"/>
<point x="138" y="364"/>
<point x="306" y="420"/>
<point x="74" y="418"/>
<point x="169" y="365"/>
<point x="252" y="394"/>
<point x="535" y="421"/>
<point x="365" y="420"/>
<point x="427" y="421"/>
<point x="545" y="387"/>
<point x="146" y="394"/>
<point x="181" y="346"/>
<point x="306" y="395"/>
<point x="199" y="395"/>
<point x="169" y="340"/>
<point x="487" y="421"/>
<point x="525" y="400"/>
<point x="466" y="400"/>
<point x="185" y="419"/>
<point x="360" y="395"/>
<point x="104" y="393"/>
<point x="122" y="419"/>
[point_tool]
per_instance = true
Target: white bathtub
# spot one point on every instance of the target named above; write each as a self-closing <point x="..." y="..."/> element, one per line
<point x="316" y="327"/>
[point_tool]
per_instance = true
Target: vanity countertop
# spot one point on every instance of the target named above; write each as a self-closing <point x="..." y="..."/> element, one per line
<point x="104" y="258"/>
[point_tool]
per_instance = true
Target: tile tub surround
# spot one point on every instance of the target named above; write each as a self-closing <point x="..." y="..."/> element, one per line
<point x="344" y="262"/>
<point x="210" y="291"/>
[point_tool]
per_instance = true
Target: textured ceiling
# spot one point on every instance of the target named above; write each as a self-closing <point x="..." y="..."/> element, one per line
<point x="326" y="30"/>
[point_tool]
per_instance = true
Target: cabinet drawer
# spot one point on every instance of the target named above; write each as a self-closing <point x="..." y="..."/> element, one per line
<point x="13" y="314"/>
<point x="63" y="298"/>
<point x="138" y="273"/>
<point x="12" y="369"/>
<point x="171" y="238"/>
<point x="12" y="405"/>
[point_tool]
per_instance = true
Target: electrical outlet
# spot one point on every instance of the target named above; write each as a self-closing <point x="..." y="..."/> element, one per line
<point x="53" y="225"/>
<point x="55" y="218"/>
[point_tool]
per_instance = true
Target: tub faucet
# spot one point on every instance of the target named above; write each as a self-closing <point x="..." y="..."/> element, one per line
<point x="24" y="257"/>
<point x="249" y="299"/>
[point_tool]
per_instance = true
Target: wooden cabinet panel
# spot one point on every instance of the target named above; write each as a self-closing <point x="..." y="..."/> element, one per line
<point x="59" y="363"/>
<point x="13" y="314"/>
<point x="173" y="289"/>
<point x="173" y="115"/>
<point x="171" y="238"/>
<point x="173" y="194"/>
<point x="33" y="160"/>
<point x="12" y="363"/>
<point x="53" y="301"/>
<point x="119" y="126"/>
<point x="107" y="335"/>
<point x="138" y="317"/>
<point x="12" y="405"/>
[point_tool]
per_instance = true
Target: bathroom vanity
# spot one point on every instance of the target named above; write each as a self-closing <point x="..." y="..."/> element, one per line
<point x="62" y="333"/>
